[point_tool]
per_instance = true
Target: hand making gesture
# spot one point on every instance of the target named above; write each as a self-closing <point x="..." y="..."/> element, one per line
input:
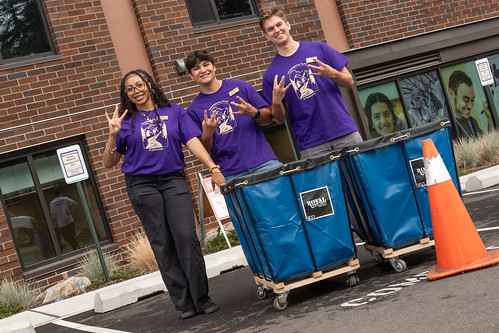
<point x="343" y="78"/>
<point x="209" y="125"/>
<point x="111" y="157"/>
<point x="115" y="122"/>
<point x="323" y="69"/>
<point x="245" y="108"/>
<point x="279" y="90"/>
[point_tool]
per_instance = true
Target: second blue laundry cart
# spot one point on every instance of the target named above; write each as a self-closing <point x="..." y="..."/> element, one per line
<point x="387" y="192"/>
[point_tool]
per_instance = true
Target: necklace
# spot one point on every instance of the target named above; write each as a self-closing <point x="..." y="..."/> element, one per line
<point x="148" y="117"/>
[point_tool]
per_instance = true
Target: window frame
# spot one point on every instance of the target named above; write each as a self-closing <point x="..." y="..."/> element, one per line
<point x="64" y="259"/>
<point x="34" y="58"/>
<point x="220" y="24"/>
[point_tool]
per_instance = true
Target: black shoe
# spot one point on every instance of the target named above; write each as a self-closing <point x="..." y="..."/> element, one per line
<point x="187" y="314"/>
<point x="211" y="308"/>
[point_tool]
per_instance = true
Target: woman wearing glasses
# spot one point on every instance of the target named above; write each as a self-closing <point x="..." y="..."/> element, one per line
<point x="149" y="131"/>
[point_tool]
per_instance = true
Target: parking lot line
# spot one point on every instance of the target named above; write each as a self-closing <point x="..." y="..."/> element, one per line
<point x="85" y="328"/>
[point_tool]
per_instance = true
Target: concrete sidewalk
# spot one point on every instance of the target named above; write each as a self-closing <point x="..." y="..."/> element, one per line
<point x="128" y="292"/>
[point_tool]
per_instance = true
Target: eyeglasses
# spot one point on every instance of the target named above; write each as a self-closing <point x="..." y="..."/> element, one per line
<point x="139" y="87"/>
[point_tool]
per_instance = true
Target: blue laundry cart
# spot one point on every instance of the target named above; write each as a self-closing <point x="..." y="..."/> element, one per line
<point x="387" y="194"/>
<point x="293" y="225"/>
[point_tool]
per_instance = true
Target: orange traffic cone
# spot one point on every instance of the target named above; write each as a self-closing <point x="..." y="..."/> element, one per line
<point x="458" y="246"/>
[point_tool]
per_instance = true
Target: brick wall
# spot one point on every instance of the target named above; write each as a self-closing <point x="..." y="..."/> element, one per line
<point x="370" y="22"/>
<point x="53" y="100"/>
<point x="239" y="51"/>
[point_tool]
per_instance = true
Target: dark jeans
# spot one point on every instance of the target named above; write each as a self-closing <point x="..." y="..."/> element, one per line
<point x="164" y="206"/>
<point x="69" y="234"/>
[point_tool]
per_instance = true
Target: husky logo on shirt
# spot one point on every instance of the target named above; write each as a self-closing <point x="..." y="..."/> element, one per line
<point x="303" y="81"/>
<point x="154" y="138"/>
<point x="227" y="122"/>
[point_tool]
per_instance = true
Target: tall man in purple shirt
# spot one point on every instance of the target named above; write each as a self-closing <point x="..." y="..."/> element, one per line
<point x="229" y="112"/>
<point x="308" y="77"/>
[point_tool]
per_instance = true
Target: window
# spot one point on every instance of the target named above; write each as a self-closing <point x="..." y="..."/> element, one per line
<point x="214" y="13"/>
<point x="23" y="32"/>
<point x="383" y="109"/>
<point x="494" y="88"/>
<point x="468" y="99"/>
<point x="281" y="140"/>
<point x="46" y="216"/>
<point x="424" y="98"/>
<point x="453" y="92"/>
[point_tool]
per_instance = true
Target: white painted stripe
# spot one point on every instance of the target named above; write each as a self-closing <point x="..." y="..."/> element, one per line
<point x="86" y="328"/>
<point x="481" y="192"/>
<point x="435" y="170"/>
<point x="487" y="229"/>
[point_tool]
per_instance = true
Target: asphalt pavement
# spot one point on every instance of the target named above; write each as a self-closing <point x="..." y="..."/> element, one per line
<point x="233" y="288"/>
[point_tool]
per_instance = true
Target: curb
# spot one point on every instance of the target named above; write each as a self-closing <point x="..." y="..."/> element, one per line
<point x="131" y="291"/>
<point x="479" y="180"/>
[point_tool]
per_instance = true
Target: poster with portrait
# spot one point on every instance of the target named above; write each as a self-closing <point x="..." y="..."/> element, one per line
<point x="424" y="98"/>
<point x="494" y="88"/>
<point x="383" y="109"/>
<point x="467" y="99"/>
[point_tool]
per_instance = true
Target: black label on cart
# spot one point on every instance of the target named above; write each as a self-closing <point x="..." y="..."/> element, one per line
<point x="316" y="203"/>
<point x="418" y="172"/>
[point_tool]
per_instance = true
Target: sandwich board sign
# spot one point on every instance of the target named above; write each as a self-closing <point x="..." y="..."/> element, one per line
<point x="216" y="199"/>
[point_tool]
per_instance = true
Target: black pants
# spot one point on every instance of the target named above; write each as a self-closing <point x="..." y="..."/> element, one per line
<point x="69" y="234"/>
<point x="164" y="206"/>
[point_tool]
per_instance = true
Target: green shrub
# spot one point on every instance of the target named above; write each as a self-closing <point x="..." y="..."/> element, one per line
<point x="9" y="310"/>
<point x="219" y="243"/>
<point x="91" y="266"/>
<point x="477" y="153"/>
<point x="121" y="275"/>
<point x="16" y="296"/>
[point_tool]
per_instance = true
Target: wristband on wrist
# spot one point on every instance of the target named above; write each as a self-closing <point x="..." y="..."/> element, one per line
<point x="111" y="150"/>
<point x="214" y="167"/>
<point x="257" y="114"/>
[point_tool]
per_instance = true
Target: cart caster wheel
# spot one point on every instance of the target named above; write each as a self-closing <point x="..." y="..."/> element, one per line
<point x="352" y="280"/>
<point x="278" y="305"/>
<point x="398" y="265"/>
<point x="262" y="293"/>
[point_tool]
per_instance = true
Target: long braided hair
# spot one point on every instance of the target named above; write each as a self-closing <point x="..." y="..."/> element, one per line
<point x="158" y="97"/>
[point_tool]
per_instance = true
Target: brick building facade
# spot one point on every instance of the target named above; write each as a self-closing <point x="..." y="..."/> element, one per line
<point x="59" y="99"/>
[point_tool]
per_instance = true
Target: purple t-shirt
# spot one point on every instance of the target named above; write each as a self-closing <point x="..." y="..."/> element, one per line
<point x="151" y="150"/>
<point x="238" y="142"/>
<point x="316" y="109"/>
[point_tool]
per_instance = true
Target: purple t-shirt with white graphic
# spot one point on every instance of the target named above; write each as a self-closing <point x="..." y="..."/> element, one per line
<point x="238" y="142"/>
<point x="316" y="109"/>
<point x="153" y="150"/>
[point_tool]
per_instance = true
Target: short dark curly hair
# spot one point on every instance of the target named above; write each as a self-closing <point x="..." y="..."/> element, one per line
<point x="196" y="57"/>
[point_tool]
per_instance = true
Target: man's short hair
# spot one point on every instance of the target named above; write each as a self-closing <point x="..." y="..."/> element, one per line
<point x="196" y="57"/>
<point x="266" y="14"/>
<point x="458" y="77"/>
